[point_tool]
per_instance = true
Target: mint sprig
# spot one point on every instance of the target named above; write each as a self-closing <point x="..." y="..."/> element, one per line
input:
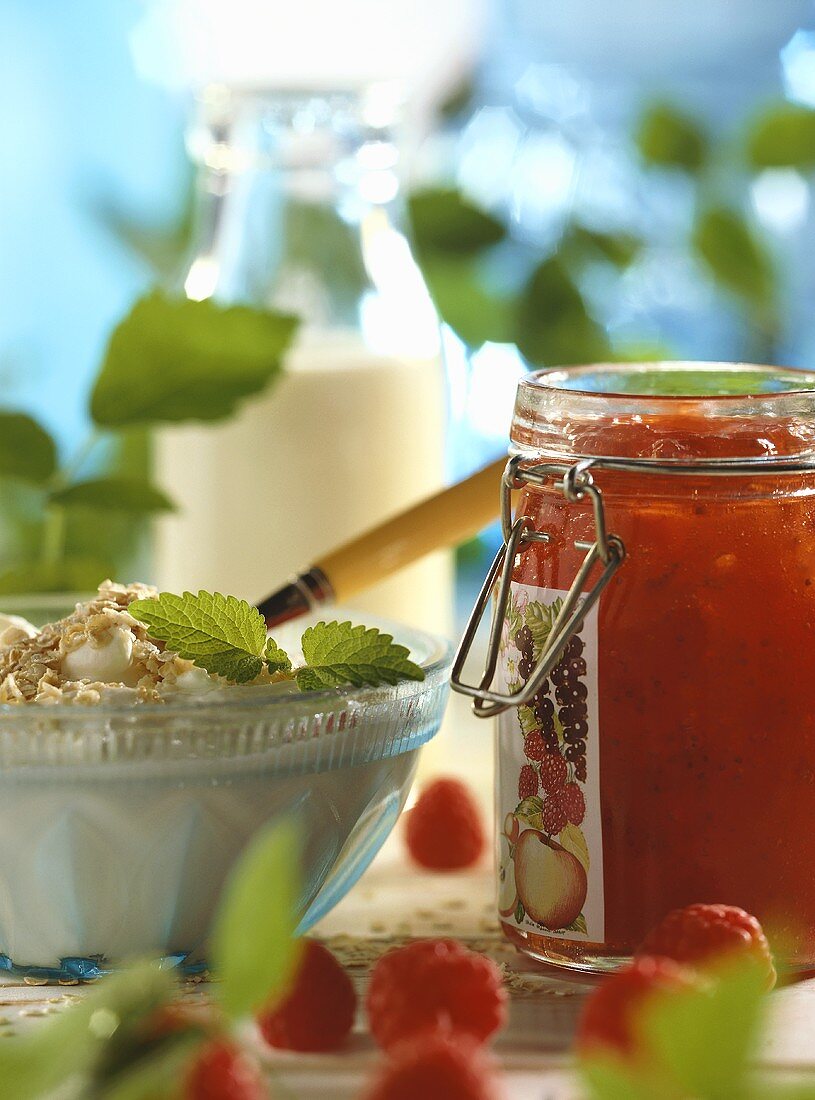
<point x="339" y="653"/>
<point x="227" y="637"/>
<point x="220" y="633"/>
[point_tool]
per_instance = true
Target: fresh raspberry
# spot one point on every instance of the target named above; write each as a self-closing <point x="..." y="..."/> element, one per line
<point x="573" y="803"/>
<point x="610" y="1015"/>
<point x="535" y="746"/>
<point x="431" y="984"/>
<point x="444" y="830"/>
<point x="527" y="782"/>
<point x="554" y="771"/>
<point x="222" y="1071"/>
<point x="318" y="1012"/>
<point x="437" y="1066"/>
<point x="553" y="816"/>
<point x="707" y="933"/>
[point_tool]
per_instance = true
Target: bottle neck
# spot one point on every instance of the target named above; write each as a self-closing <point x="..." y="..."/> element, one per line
<point x="288" y="187"/>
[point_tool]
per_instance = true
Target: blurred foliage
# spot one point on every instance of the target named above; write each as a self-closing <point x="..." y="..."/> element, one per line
<point x="550" y="315"/>
<point x="547" y="316"/>
<point x="706" y="1042"/>
<point x="64" y="522"/>
<point x="169" y="360"/>
<point x="783" y="136"/>
<point x="669" y="138"/>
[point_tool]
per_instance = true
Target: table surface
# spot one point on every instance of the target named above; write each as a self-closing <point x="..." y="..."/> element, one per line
<point x="394" y="903"/>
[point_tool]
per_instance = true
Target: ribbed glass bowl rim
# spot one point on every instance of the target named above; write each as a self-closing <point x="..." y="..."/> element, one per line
<point x="789" y="384"/>
<point x="258" y="703"/>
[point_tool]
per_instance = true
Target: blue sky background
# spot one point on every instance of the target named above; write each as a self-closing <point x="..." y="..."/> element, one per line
<point x="77" y="125"/>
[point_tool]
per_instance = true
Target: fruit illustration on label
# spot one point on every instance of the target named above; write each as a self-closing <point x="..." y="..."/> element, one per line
<point x="512" y="828"/>
<point x="507" y="890"/>
<point x="551" y="883"/>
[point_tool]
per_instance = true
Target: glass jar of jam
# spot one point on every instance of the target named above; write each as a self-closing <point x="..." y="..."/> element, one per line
<point x="652" y="656"/>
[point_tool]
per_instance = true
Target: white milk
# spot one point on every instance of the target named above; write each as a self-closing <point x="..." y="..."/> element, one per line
<point x="346" y="438"/>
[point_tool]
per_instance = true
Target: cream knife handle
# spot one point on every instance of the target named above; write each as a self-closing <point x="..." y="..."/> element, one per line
<point x="446" y="519"/>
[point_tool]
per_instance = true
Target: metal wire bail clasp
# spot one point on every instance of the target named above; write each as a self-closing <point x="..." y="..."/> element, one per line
<point x="576" y="483"/>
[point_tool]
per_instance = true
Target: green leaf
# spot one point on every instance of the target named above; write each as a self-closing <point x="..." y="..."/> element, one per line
<point x="527" y="719"/>
<point x="474" y="312"/>
<point x="338" y="654"/>
<point x="276" y="658"/>
<point x="669" y="138"/>
<point x="27" y="450"/>
<point x="783" y="137"/>
<point x="581" y="243"/>
<point x="734" y="255"/>
<point x="554" y="326"/>
<point x="678" y="1029"/>
<point x="172" y="359"/>
<point x="578" y="925"/>
<point x="610" y="1079"/>
<point x="222" y="634"/>
<point x="529" y="808"/>
<point x="115" y="494"/>
<point x="253" y="950"/>
<point x="443" y="220"/>
<point x="520" y="912"/>
<point x="459" y="99"/>
<point x="78" y="574"/>
<point x="70" y="1046"/>
<point x="158" y="1075"/>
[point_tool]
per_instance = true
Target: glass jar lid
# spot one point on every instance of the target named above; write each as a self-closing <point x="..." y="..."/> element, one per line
<point x="668" y="414"/>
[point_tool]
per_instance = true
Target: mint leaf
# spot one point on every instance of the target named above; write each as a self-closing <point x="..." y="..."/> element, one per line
<point x="156" y="1073"/>
<point x="253" y="951"/>
<point x="554" y="325"/>
<point x="339" y="653"/>
<point x="116" y="494"/>
<point x="610" y="1079"/>
<point x="27" y="450"/>
<point x="222" y="634"/>
<point x="276" y="658"/>
<point x="783" y="137"/>
<point x="678" y="1028"/>
<point x="443" y="220"/>
<point x="669" y="138"/>
<point x="69" y="1048"/>
<point x="475" y="311"/>
<point x="172" y="359"/>
<point x="736" y="257"/>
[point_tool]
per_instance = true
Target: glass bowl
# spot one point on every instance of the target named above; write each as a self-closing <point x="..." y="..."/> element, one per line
<point x="119" y="825"/>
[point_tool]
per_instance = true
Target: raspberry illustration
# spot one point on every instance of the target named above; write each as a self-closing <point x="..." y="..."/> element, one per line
<point x="610" y="1016"/>
<point x="444" y="830"/>
<point x="554" y="771"/>
<point x="553" y="817"/>
<point x="574" y="803"/>
<point x="704" y="934"/>
<point x="437" y="1066"/>
<point x="318" y="1012"/>
<point x="535" y="746"/>
<point x="527" y="782"/>
<point x="432" y="984"/>
<point x="225" y="1072"/>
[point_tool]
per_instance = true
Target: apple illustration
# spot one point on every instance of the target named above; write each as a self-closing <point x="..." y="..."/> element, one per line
<point x="551" y="882"/>
<point x="507" y="892"/>
<point x="512" y="828"/>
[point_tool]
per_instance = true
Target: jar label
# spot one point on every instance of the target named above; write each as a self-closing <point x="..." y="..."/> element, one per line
<point x="550" y="843"/>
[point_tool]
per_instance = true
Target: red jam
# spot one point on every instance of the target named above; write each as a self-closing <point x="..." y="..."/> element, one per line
<point x="705" y="658"/>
